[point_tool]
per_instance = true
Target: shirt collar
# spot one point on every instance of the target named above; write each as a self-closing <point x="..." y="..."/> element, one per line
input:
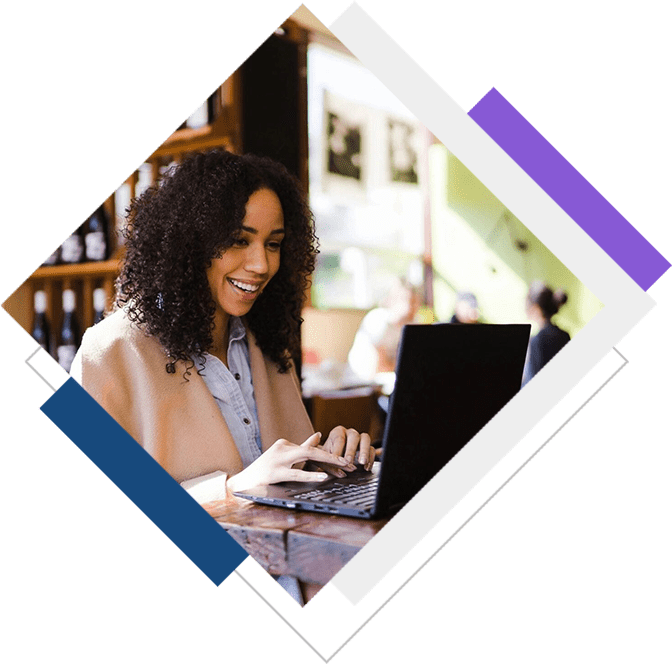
<point x="236" y="329"/>
<point x="237" y="332"/>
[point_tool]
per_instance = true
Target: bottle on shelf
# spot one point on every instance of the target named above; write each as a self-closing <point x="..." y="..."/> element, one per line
<point x="200" y="117"/>
<point x="144" y="178"/>
<point x="53" y="258"/>
<point x="164" y="169"/>
<point x="68" y="338"/>
<point x="40" y="329"/>
<point x="122" y="202"/>
<point x="95" y="236"/>
<point x="99" y="302"/>
<point x="72" y="249"/>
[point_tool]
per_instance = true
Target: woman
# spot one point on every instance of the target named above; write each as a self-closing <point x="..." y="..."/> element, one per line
<point x="196" y="362"/>
<point x="540" y="306"/>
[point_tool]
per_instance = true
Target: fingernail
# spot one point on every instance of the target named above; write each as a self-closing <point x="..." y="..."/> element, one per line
<point x="363" y="458"/>
<point x="318" y="434"/>
<point x="349" y="458"/>
<point x="340" y="473"/>
<point x="322" y="476"/>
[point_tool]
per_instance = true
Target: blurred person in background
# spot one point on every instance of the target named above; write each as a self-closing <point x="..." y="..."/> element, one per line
<point x="466" y="309"/>
<point x="541" y="305"/>
<point x="373" y="356"/>
<point x="374" y="349"/>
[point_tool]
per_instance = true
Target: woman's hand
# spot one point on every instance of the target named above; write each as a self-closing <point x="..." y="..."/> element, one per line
<point x="354" y="446"/>
<point x="276" y="464"/>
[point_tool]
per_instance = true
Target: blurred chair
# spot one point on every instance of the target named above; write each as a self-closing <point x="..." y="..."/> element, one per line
<point x="353" y="409"/>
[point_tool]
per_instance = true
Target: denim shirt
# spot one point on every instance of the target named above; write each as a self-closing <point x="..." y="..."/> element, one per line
<point x="233" y="391"/>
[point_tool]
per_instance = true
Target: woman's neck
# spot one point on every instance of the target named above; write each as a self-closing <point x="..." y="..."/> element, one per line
<point x="220" y="337"/>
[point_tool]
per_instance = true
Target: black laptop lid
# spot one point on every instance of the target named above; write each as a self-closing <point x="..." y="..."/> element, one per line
<point x="451" y="380"/>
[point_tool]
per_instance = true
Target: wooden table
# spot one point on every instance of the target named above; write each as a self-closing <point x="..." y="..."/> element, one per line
<point x="309" y="546"/>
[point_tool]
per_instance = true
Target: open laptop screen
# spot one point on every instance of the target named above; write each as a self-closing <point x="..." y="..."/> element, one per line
<point x="451" y="381"/>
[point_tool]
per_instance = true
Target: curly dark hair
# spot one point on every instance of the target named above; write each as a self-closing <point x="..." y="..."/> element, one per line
<point x="175" y="229"/>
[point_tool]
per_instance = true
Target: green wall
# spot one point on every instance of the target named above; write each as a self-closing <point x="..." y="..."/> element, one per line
<point x="475" y="247"/>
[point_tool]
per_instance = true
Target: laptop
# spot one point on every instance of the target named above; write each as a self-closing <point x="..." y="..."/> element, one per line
<point x="451" y="381"/>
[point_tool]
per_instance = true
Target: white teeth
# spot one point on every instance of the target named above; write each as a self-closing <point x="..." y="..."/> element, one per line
<point x="248" y="288"/>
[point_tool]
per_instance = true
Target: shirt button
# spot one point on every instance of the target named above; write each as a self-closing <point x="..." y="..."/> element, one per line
<point x="246" y="420"/>
<point x="236" y="376"/>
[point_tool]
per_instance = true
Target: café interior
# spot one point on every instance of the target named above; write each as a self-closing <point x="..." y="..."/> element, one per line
<point x="390" y="203"/>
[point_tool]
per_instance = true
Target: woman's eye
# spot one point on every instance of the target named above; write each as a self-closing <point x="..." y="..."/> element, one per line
<point x="274" y="246"/>
<point x="239" y="242"/>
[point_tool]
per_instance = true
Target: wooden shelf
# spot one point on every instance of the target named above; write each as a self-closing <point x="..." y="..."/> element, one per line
<point x="75" y="270"/>
<point x="234" y="106"/>
<point x="221" y="133"/>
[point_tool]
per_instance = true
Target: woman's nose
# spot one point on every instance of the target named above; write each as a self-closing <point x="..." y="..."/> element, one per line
<point x="256" y="260"/>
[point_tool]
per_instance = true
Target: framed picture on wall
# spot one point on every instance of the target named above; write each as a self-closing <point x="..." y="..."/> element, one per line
<point x="402" y="140"/>
<point x="344" y="145"/>
<point x="345" y="141"/>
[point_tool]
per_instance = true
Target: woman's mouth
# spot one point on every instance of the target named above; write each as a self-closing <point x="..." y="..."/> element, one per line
<point x="246" y="290"/>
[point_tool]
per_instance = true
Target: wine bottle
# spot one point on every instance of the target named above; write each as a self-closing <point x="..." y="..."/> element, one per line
<point x="144" y="178"/>
<point x="53" y="258"/>
<point x="122" y="203"/>
<point x="213" y="106"/>
<point x="200" y="117"/>
<point x="95" y="238"/>
<point x="72" y="249"/>
<point x="165" y="169"/>
<point x="99" y="301"/>
<point x="40" y="330"/>
<point x="68" y="338"/>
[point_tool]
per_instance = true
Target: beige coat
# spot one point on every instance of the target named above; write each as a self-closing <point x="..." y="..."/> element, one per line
<point x="177" y="421"/>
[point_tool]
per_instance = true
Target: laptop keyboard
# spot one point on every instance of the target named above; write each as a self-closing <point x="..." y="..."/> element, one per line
<point x="362" y="494"/>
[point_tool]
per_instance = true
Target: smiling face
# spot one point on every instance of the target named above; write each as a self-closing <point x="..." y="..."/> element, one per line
<point x="241" y="273"/>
